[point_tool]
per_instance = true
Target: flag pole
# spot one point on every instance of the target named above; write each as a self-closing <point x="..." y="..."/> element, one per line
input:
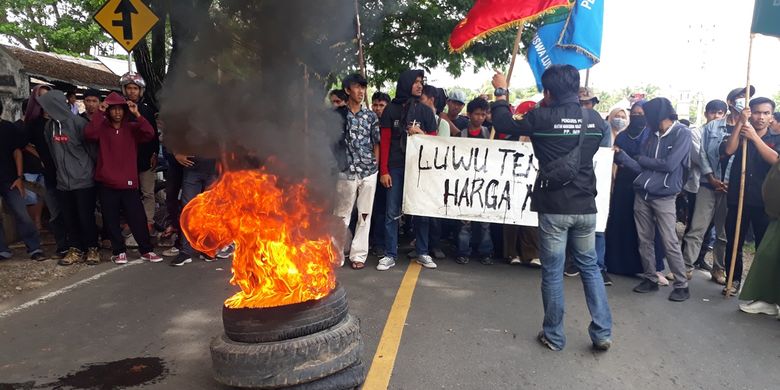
<point x="515" y="49"/>
<point x="741" y="201"/>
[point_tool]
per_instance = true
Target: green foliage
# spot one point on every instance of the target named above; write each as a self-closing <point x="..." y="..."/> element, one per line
<point x="64" y="27"/>
<point x="400" y="34"/>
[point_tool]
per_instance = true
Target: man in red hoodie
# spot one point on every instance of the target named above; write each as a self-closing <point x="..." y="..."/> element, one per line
<point x="118" y="138"/>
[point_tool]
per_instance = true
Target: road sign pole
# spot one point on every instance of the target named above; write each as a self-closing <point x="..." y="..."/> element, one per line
<point x="129" y="61"/>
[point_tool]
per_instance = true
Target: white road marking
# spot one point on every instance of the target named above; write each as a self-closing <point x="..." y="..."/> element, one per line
<point x="65" y="289"/>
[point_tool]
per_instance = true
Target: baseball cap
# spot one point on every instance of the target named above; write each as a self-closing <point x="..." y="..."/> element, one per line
<point x="457" y="96"/>
<point x="740" y="91"/>
<point x="587" y="94"/>
<point x="354" y="78"/>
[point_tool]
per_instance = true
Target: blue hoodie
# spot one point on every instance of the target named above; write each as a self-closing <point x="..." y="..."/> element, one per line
<point x="662" y="163"/>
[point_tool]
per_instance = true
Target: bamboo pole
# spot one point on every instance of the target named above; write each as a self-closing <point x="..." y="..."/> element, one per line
<point x="515" y="49"/>
<point x="743" y="174"/>
<point x="361" y="55"/>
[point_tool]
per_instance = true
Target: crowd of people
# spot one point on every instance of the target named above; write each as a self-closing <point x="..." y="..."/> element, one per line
<point x="104" y="161"/>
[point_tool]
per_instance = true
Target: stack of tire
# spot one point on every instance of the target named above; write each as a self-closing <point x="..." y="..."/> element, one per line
<point x="313" y="345"/>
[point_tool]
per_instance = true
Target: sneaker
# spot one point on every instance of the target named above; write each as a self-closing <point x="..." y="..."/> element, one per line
<point x="515" y="261"/>
<point x="130" y="242"/>
<point x="680" y="294"/>
<point x="120" y="258"/>
<point x="62" y="253"/>
<point x="535" y="263"/>
<point x="171" y="252"/>
<point x="662" y="280"/>
<point x="180" y="260"/>
<point x="426" y="261"/>
<point x="6" y="255"/>
<point x="734" y="289"/>
<point x="210" y="259"/>
<point x="378" y="251"/>
<point x="412" y="254"/>
<point x="226" y="252"/>
<point x="151" y="257"/>
<point x="462" y="260"/>
<point x="701" y="264"/>
<point x="602" y="345"/>
<point x="571" y="270"/>
<point x="607" y="279"/>
<point x="439" y="254"/>
<point x="39" y="256"/>
<point x="93" y="256"/>
<point x="719" y="277"/>
<point x="487" y="260"/>
<point x="646" y="286"/>
<point x="74" y="256"/>
<point x="543" y="340"/>
<point x="759" y="307"/>
<point x="385" y="263"/>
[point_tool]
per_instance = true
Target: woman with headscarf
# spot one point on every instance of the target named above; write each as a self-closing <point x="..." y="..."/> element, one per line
<point x="618" y="121"/>
<point x="622" y="241"/>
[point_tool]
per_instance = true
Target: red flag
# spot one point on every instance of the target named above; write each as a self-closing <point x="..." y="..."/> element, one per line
<point x="490" y="16"/>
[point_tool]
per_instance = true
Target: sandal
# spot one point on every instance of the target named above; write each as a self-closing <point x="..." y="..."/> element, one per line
<point x="358" y="265"/>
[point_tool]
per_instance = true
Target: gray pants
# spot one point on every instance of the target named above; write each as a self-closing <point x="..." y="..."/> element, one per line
<point x="660" y="213"/>
<point x="710" y="207"/>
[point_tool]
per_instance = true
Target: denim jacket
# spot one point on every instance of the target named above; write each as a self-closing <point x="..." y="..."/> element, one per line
<point x="711" y="138"/>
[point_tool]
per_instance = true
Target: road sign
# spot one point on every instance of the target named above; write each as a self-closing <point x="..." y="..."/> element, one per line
<point x="127" y="21"/>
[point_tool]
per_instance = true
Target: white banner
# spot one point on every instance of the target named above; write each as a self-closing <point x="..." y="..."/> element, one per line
<point x="483" y="180"/>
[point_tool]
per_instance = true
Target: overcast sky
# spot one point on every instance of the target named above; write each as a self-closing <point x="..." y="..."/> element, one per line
<point x="678" y="45"/>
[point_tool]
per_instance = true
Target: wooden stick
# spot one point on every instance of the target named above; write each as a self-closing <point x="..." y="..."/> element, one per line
<point x="741" y="201"/>
<point x="361" y="56"/>
<point x="515" y="49"/>
<point x="587" y="77"/>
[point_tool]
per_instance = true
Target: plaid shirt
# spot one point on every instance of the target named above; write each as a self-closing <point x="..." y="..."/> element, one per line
<point x="361" y="137"/>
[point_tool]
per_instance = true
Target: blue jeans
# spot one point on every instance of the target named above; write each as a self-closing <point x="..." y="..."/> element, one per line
<point x="194" y="182"/>
<point x="485" y="247"/>
<point x="393" y="211"/>
<point x="422" y="229"/>
<point x="13" y="200"/>
<point x="554" y="232"/>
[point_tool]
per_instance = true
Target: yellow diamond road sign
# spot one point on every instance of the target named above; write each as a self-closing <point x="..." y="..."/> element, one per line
<point x="127" y="21"/>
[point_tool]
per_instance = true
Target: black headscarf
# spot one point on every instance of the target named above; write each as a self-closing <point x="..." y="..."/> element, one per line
<point x="657" y="110"/>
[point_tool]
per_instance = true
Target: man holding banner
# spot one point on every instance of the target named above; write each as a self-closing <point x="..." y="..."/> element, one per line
<point x="566" y="209"/>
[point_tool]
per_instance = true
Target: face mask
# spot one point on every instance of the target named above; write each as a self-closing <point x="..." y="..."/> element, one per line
<point x="619" y="123"/>
<point x="739" y="104"/>
<point x="638" y="122"/>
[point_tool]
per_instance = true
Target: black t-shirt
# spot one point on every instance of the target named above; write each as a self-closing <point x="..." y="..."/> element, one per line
<point x="396" y="117"/>
<point x="10" y="140"/>
<point x="461" y="122"/>
<point x="554" y="132"/>
<point x="757" y="169"/>
<point x="35" y="135"/>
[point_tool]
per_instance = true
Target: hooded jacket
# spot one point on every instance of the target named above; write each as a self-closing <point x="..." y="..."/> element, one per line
<point x="73" y="157"/>
<point x="118" y="148"/>
<point x="402" y="111"/>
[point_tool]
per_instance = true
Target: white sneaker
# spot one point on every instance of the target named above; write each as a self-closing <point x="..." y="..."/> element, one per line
<point x="130" y="242"/>
<point x="426" y="261"/>
<point x="385" y="263"/>
<point x="515" y="261"/>
<point x="226" y="252"/>
<point x="120" y="258"/>
<point x="759" y="307"/>
<point x="536" y="263"/>
<point x="171" y="252"/>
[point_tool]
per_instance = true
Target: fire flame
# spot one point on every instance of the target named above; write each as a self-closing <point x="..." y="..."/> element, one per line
<point x="276" y="261"/>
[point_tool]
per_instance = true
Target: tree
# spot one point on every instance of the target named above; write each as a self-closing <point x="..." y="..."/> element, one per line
<point x="58" y="26"/>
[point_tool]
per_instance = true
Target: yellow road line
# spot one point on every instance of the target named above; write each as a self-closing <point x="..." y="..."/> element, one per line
<point x="384" y="359"/>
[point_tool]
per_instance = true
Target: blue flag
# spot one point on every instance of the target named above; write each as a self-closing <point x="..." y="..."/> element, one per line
<point x="573" y="40"/>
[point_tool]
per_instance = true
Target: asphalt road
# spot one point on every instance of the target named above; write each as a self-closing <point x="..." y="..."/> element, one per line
<point x="469" y="327"/>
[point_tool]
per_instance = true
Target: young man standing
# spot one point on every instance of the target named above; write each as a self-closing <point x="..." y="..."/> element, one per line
<point x="337" y="98"/>
<point x="12" y="191"/>
<point x="379" y="101"/>
<point x="133" y="86"/>
<point x="357" y="183"/>
<point x="567" y="213"/>
<point x="588" y="99"/>
<point x="456" y="101"/>
<point x="74" y="159"/>
<point x="404" y="116"/>
<point x="710" y="206"/>
<point x="116" y="172"/>
<point x="91" y="103"/>
<point x="477" y="110"/>
<point x="763" y="147"/>
<point x="661" y="164"/>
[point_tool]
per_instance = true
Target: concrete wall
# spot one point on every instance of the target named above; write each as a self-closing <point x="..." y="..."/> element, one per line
<point x="14" y="87"/>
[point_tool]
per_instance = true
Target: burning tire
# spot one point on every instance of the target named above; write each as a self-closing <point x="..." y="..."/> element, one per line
<point x="285" y="322"/>
<point x="291" y="362"/>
